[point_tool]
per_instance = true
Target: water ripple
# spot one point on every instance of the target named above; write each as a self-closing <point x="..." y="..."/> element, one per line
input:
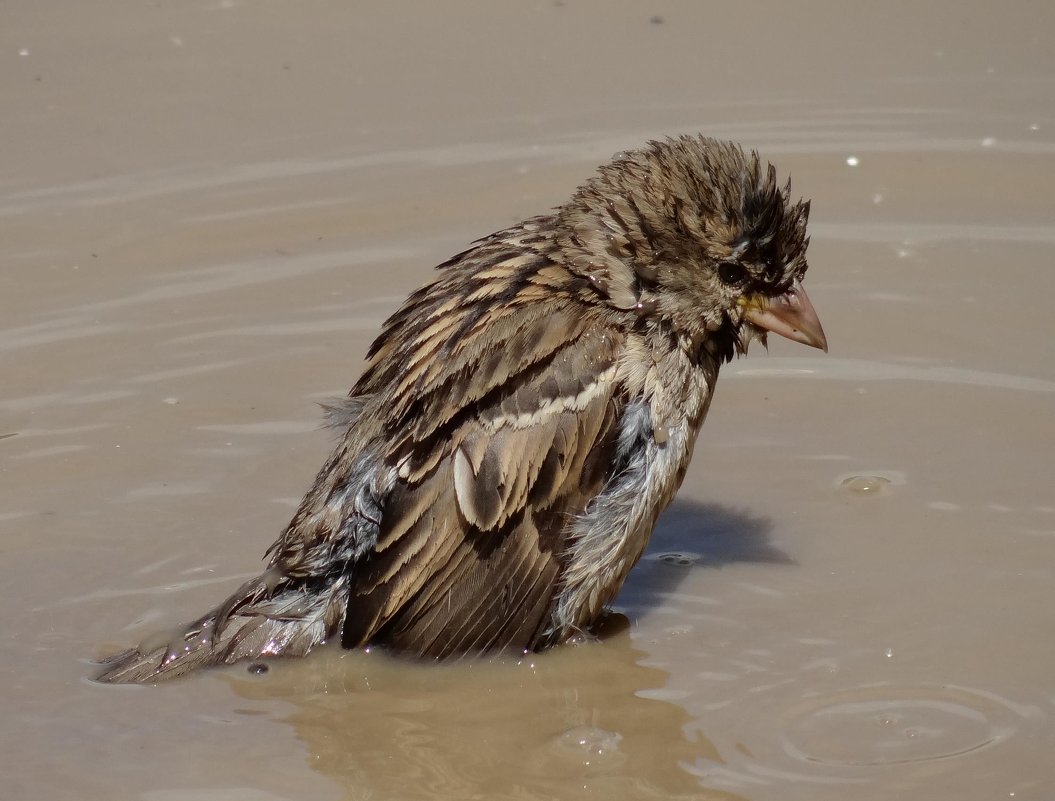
<point x="866" y="370"/>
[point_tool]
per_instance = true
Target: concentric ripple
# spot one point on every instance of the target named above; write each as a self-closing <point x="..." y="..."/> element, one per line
<point x="884" y="725"/>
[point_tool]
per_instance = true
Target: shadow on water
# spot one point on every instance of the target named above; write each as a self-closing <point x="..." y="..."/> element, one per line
<point x="574" y="722"/>
<point x="716" y="534"/>
<point x="693" y="535"/>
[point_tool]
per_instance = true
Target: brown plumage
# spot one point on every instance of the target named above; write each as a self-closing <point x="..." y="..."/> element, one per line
<point x="523" y="420"/>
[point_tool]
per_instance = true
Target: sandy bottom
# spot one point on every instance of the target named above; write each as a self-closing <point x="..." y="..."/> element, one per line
<point x="209" y="207"/>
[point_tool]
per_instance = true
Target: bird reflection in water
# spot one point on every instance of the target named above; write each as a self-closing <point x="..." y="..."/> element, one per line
<point x="570" y="723"/>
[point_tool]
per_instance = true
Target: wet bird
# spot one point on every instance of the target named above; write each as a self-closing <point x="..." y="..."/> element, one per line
<point x="523" y="420"/>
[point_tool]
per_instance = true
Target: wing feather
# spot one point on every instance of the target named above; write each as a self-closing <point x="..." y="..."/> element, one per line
<point x="489" y="408"/>
<point x="470" y="543"/>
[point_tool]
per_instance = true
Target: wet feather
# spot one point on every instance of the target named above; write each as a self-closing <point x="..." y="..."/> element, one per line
<point x="520" y="424"/>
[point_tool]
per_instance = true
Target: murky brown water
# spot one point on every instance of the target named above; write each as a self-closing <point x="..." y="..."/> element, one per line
<point x="208" y="207"/>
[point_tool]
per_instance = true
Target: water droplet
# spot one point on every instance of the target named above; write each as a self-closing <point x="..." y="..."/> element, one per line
<point x="24" y="51"/>
<point x="591" y="745"/>
<point x="989" y="141"/>
<point x="888" y="653"/>
<point x="258" y="668"/>
<point x="852" y="161"/>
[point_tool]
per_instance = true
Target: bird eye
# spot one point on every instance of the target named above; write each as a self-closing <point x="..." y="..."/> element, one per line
<point x="731" y="273"/>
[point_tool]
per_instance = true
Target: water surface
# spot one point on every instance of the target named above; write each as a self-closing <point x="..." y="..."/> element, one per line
<point x="208" y="208"/>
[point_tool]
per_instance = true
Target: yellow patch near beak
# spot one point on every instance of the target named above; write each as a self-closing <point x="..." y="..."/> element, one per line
<point x="791" y="315"/>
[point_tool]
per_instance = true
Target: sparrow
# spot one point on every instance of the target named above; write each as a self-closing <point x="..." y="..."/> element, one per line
<point x="523" y="420"/>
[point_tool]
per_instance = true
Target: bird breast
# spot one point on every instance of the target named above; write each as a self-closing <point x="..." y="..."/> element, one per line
<point x="655" y="445"/>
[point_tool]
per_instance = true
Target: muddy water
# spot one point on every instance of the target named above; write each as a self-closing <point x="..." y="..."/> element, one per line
<point x="208" y="208"/>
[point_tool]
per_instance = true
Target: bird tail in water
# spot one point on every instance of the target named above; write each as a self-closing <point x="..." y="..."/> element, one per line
<point x="268" y="616"/>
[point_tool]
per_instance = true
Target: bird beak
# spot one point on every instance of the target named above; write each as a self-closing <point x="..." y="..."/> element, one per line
<point x="791" y="315"/>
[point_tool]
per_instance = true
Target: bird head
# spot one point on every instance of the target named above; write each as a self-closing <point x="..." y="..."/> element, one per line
<point x="697" y="235"/>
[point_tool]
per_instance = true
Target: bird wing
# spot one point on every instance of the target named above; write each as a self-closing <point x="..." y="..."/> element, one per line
<point x="500" y="415"/>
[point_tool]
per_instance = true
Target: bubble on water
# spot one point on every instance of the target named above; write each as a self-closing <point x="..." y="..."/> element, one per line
<point x="852" y="161"/>
<point x="677" y="559"/>
<point x="872" y="726"/>
<point x="590" y="745"/>
<point x="870" y="482"/>
<point x="888" y="653"/>
<point x="24" y="51"/>
<point x="1034" y="127"/>
<point x="864" y="484"/>
<point x="171" y="401"/>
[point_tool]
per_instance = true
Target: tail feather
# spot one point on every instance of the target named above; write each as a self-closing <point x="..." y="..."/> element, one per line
<point x="263" y="618"/>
